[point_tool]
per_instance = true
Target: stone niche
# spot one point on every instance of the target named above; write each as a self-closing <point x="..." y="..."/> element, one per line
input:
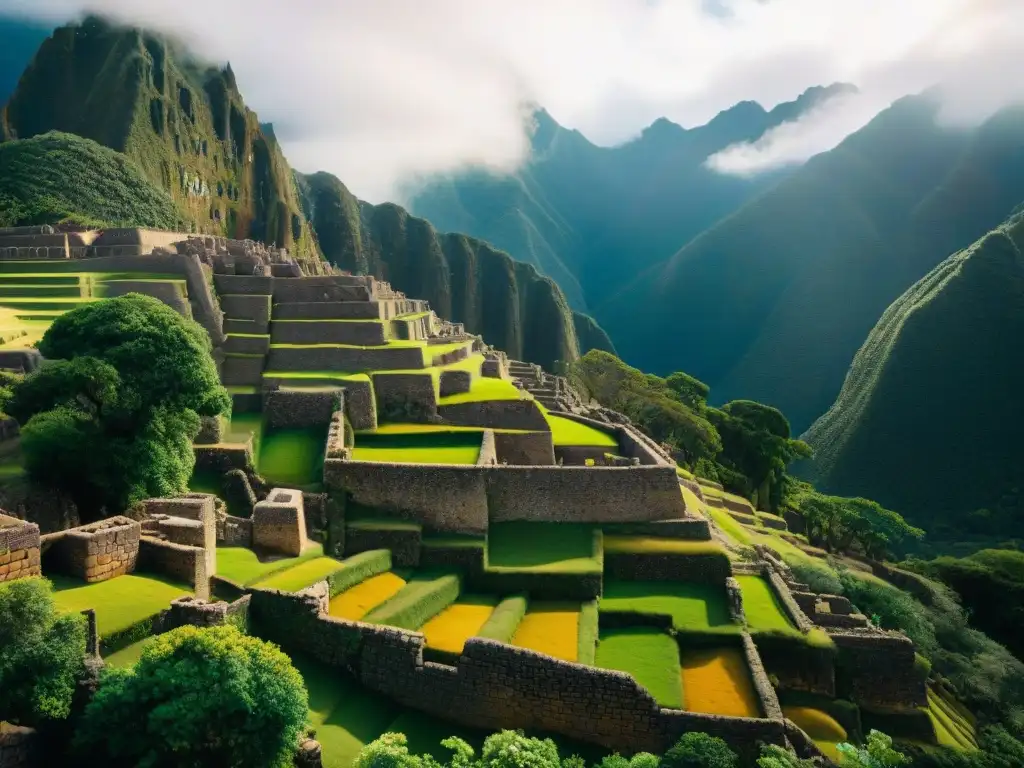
<point x="19" y="548"/>
<point x="279" y="522"/>
<point x="94" y="552"/>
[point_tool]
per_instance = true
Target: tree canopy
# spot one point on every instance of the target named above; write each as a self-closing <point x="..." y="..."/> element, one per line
<point x="110" y="417"/>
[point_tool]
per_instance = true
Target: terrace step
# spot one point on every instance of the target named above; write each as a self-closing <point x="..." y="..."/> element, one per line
<point x="240" y="369"/>
<point x="248" y="344"/>
<point x="360" y="332"/>
<point x="21" y="289"/>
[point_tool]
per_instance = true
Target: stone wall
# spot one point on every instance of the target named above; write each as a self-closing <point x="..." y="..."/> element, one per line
<point x="331" y="310"/>
<point x="524" y="448"/>
<point x="190" y="520"/>
<point x="880" y="669"/>
<point x="368" y="333"/>
<point x="496" y="686"/>
<point x="180" y="562"/>
<point x="796" y="665"/>
<point x="405" y="396"/>
<point x="488" y="453"/>
<point x="404" y="543"/>
<point x="224" y="457"/>
<point x="345" y="359"/>
<point x="789" y="605"/>
<point x="93" y="552"/>
<point x="644" y="566"/>
<point x="19" y="548"/>
<point x="496" y="414"/>
<point x="199" y="612"/>
<point x="234" y="532"/>
<point x="454" y="383"/>
<point x="285" y="408"/>
<point x="766" y="696"/>
<point x="19" y="747"/>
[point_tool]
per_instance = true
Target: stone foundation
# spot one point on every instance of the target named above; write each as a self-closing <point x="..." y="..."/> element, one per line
<point x="289" y="408"/>
<point x="279" y="523"/>
<point x="181" y="563"/>
<point x="524" y="448"/>
<point x="94" y="552"/>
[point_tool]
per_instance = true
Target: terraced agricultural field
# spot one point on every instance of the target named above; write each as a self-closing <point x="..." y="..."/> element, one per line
<point x="568" y="432"/>
<point x="449" y="630"/>
<point x="693" y="607"/>
<point x="120" y="602"/>
<point x="650" y="656"/>
<point x="820" y="726"/>
<point x="292" y="457"/>
<point x="354" y="603"/>
<point x="761" y="606"/>
<point x="243" y="566"/>
<point x="302" y="575"/>
<point x="551" y="628"/>
<point x="717" y="681"/>
<point x="421" y="447"/>
<point x="485" y="388"/>
<point x="550" y="547"/>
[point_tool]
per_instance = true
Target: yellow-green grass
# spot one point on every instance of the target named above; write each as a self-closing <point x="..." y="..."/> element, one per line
<point x="120" y="602"/>
<point x="449" y="630"/>
<point x="127" y="656"/>
<point x="292" y="457"/>
<point x="243" y="566"/>
<point x="405" y="428"/>
<point x="693" y="607"/>
<point x="710" y="491"/>
<point x="684" y="473"/>
<point x="301" y="576"/>
<point x="728" y="525"/>
<point x="543" y="547"/>
<point x="716" y="681"/>
<point x="332" y="375"/>
<point x="952" y="729"/>
<point x="354" y="603"/>
<point x="551" y="628"/>
<point x="568" y="432"/>
<point x="346" y="716"/>
<point x="650" y="656"/>
<point x="693" y="503"/>
<point x="820" y="726"/>
<point x="762" y="608"/>
<point x="657" y="545"/>
<point x="485" y="388"/>
<point x="419" y="447"/>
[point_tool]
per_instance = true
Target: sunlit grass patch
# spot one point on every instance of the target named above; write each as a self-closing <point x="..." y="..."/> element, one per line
<point x="716" y="681"/>
<point x="449" y="630"/>
<point x="242" y="565"/>
<point x="820" y="726"/>
<point x="552" y="547"/>
<point x="484" y="388"/>
<point x="691" y="606"/>
<point x="356" y="602"/>
<point x="568" y="432"/>
<point x="419" y="447"/>
<point x="120" y="602"/>
<point x="292" y="457"/>
<point x="650" y="656"/>
<point x="660" y="545"/>
<point x="550" y="628"/>
<point x="761" y="606"/>
<point x="303" y="575"/>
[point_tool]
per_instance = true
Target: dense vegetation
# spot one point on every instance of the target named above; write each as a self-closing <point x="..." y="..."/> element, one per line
<point x="42" y="653"/>
<point x="182" y="123"/>
<point x="111" y="417"/>
<point x="58" y="177"/>
<point x="197" y="697"/>
<point x="464" y="279"/>
<point x="928" y="419"/>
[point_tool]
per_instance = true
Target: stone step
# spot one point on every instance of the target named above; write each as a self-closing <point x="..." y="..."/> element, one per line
<point x="358" y="332"/>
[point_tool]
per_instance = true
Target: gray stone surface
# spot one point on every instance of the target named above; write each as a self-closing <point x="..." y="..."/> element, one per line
<point x="279" y="522"/>
<point x="524" y="448"/>
<point x="296" y="408"/>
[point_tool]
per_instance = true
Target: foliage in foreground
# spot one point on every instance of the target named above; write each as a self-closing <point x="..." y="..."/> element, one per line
<point x="198" y="697"/>
<point x="41" y="655"/>
<point x="57" y="177"/>
<point x="111" y="418"/>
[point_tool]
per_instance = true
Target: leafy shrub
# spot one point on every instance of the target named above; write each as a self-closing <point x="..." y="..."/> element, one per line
<point x="42" y="653"/>
<point x="198" y="697"/>
<point x="111" y="418"/>
<point x="774" y="756"/>
<point x="876" y="753"/>
<point x="699" y="750"/>
<point x="513" y="749"/>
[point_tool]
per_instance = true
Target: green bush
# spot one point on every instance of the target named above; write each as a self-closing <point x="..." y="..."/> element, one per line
<point x="774" y="756"/>
<point x="359" y="568"/>
<point x="699" y="750"/>
<point x="198" y="697"/>
<point x="420" y="600"/>
<point x="42" y="653"/>
<point x="111" y="418"/>
<point x="876" y="753"/>
<point x="504" y="619"/>
<point x="512" y="749"/>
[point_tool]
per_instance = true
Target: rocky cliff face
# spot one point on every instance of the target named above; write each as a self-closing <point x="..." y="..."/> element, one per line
<point x="464" y="279"/>
<point x="185" y="124"/>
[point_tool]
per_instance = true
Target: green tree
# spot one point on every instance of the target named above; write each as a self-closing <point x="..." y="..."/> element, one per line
<point x="110" y="418"/>
<point x="198" y="697"/>
<point x="513" y="749"/>
<point x="876" y="753"/>
<point x="690" y="391"/>
<point x="699" y="750"/>
<point x="42" y="653"/>
<point x="774" y="756"/>
<point x="391" y="750"/>
<point x="852" y="524"/>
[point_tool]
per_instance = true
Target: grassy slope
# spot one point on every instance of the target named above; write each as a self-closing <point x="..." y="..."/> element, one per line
<point x="119" y="602"/>
<point x="57" y="176"/>
<point x="691" y="606"/>
<point x="650" y="656"/>
<point x="785" y="290"/>
<point x="549" y="547"/>
<point x="940" y="371"/>
<point x="241" y="565"/>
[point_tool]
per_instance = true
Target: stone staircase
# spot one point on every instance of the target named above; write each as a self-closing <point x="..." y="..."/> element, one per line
<point x="553" y="392"/>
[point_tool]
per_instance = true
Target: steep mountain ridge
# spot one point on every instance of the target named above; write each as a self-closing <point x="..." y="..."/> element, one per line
<point x="464" y="279"/>
<point x="591" y="217"/>
<point x="183" y="123"/>
<point x="928" y="419"/>
<point x="777" y="297"/>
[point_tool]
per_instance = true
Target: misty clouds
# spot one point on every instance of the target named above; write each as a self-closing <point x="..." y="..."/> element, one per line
<point x="382" y="91"/>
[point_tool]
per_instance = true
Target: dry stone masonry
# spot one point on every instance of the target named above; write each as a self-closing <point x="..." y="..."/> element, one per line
<point x="19" y="548"/>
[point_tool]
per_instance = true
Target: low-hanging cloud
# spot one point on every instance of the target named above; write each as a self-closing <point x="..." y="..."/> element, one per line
<point x="379" y="92"/>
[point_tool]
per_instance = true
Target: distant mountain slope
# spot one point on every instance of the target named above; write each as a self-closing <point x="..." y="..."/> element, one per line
<point x="592" y="217"/>
<point x="466" y="280"/>
<point x="928" y="421"/>
<point x="58" y="177"/>
<point x="183" y="123"/>
<point x="772" y="302"/>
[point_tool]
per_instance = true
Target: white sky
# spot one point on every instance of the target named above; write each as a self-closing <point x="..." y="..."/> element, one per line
<point x="381" y="91"/>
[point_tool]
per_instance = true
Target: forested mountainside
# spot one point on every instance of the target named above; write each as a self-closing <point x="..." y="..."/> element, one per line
<point x="592" y="217"/>
<point x="928" y="420"/>
<point x="464" y="279"/>
<point x="183" y="123"/>
<point x="772" y="302"/>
